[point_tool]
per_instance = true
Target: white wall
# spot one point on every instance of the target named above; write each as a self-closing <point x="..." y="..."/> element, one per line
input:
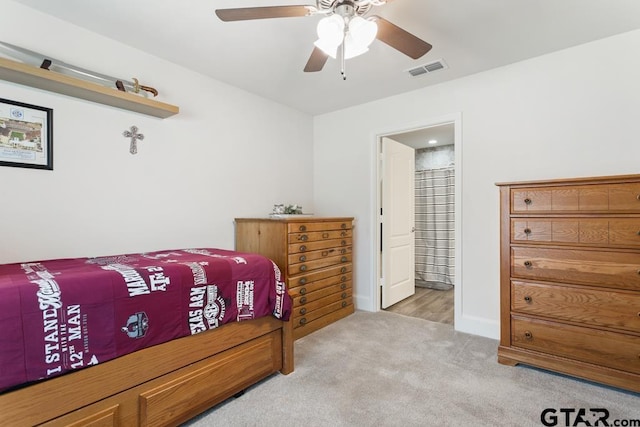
<point x="220" y="158"/>
<point x="571" y="113"/>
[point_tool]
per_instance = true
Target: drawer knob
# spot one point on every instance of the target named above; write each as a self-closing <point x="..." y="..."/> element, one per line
<point x="303" y="321"/>
<point x="527" y="231"/>
<point x="343" y="270"/>
<point x="344" y="259"/>
<point x="638" y="233"/>
<point x="528" y="264"/>
<point x="343" y="286"/>
<point x="303" y="228"/>
<point x="527" y="201"/>
<point x="344" y="304"/>
<point x="325" y="235"/>
<point x="303" y="248"/>
<point x="343" y="225"/>
<point x="303" y="300"/>
<point x="303" y="311"/>
<point x="527" y="299"/>
<point x="343" y="279"/>
<point x="303" y="291"/>
<point x="343" y="234"/>
<point x="302" y="281"/>
<point x="303" y="267"/>
<point x="303" y="237"/>
<point x="344" y="251"/>
<point x="528" y="335"/>
<point x="343" y="242"/>
<point x="325" y="253"/>
<point x="638" y="197"/>
<point x="303" y="258"/>
<point x="344" y="295"/>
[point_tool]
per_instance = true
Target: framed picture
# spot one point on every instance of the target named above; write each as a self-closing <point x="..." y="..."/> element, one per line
<point x="26" y="135"/>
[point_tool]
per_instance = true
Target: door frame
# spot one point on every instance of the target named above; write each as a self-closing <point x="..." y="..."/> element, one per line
<point x="456" y="119"/>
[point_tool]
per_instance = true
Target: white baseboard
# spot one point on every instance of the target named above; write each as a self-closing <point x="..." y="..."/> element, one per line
<point x="468" y="324"/>
<point x="364" y="304"/>
<point x="478" y="326"/>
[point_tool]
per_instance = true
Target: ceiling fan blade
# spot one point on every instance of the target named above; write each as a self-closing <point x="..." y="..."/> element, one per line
<point x="400" y="39"/>
<point x="316" y="61"/>
<point x="247" y="13"/>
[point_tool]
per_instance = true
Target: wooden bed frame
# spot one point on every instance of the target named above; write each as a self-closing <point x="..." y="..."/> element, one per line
<point x="163" y="385"/>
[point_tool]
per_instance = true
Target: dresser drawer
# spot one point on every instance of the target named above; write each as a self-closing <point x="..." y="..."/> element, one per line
<point x="316" y="290"/>
<point x="599" y="268"/>
<point x="590" y="197"/>
<point x="310" y="256"/>
<point x="299" y="247"/>
<point x="315" y="236"/>
<point x="596" y="232"/>
<point x="301" y="227"/>
<point x="302" y="320"/>
<point x="319" y="263"/>
<point x="611" y="349"/>
<point x="585" y="198"/>
<point x="624" y="197"/>
<point x="342" y="282"/>
<point x="591" y="306"/>
<point x="305" y="279"/>
<point x="320" y="300"/>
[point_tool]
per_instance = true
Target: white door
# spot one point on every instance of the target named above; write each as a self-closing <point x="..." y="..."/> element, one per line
<point x="398" y="222"/>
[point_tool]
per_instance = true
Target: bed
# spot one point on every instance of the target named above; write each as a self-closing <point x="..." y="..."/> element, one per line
<point x="147" y="339"/>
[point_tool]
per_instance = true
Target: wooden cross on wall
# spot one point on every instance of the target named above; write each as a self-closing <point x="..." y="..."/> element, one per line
<point x="135" y="136"/>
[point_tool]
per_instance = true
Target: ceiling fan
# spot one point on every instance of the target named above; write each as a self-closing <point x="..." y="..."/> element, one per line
<point x="342" y="32"/>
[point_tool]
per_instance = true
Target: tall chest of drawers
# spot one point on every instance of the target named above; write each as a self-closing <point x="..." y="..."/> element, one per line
<point x="315" y="254"/>
<point x="570" y="277"/>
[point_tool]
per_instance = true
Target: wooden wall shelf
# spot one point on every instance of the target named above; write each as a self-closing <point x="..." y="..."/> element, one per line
<point x="29" y="75"/>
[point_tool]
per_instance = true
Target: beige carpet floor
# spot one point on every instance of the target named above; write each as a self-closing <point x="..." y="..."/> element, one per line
<point x="386" y="369"/>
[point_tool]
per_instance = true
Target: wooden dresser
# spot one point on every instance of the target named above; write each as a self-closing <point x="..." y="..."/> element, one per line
<point x="570" y="277"/>
<point x="316" y="257"/>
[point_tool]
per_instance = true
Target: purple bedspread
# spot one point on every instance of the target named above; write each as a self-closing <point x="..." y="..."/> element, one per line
<point x="66" y="314"/>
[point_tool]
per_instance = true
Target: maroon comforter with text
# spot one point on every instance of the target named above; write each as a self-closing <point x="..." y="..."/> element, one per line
<point x="61" y="315"/>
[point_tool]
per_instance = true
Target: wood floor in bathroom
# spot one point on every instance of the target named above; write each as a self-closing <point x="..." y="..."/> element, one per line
<point x="428" y="304"/>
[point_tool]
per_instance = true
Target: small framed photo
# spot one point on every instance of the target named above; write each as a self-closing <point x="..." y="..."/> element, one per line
<point x="26" y="135"/>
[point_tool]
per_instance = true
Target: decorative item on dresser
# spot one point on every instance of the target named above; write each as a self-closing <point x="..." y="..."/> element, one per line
<point x="316" y="256"/>
<point x="570" y="277"/>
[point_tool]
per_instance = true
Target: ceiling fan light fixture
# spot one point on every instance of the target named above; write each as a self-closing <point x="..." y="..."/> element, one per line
<point x="328" y="48"/>
<point x="352" y="48"/>
<point x="360" y="35"/>
<point x="330" y="34"/>
<point x="363" y="31"/>
<point x="331" y="29"/>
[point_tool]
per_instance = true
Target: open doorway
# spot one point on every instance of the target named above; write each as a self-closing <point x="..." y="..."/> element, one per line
<point x="437" y="231"/>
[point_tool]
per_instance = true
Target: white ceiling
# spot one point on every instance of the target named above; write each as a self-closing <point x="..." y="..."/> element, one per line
<point x="266" y="57"/>
<point x="419" y="138"/>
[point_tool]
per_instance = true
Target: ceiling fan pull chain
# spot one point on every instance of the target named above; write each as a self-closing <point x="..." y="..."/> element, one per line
<point x="343" y="70"/>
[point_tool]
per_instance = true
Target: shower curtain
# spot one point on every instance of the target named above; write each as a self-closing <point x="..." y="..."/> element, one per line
<point x="435" y="236"/>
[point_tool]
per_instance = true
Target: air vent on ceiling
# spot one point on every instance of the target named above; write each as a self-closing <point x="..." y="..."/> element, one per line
<point x="428" y="68"/>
